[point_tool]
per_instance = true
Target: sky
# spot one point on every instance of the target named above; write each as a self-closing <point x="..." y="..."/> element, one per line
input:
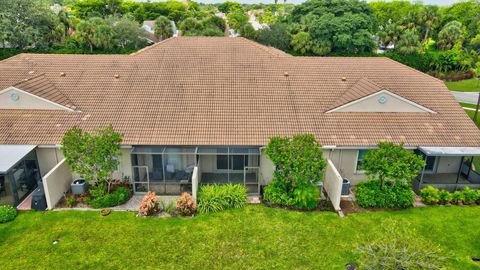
<point x="437" y="2"/>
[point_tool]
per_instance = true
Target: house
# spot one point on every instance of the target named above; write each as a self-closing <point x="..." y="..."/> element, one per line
<point x="199" y="110"/>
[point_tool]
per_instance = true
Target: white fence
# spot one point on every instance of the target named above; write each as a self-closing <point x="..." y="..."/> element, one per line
<point x="333" y="185"/>
<point x="195" y="179"/>
<point x="56" y="182"/>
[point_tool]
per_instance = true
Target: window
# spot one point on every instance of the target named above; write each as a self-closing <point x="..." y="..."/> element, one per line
<point x="222" y="162"/>
<point x="360" y="156"/>
<point x="236" y="162"/>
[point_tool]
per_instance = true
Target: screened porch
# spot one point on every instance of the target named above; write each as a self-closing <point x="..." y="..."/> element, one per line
<point x="236" y="165"/>
<point x="449" y="168"/>
<point x="168" y="170"/>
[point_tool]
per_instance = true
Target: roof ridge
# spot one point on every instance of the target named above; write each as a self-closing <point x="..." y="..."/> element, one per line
<point x="152" y="46"/>
<point x="268" y="49"/>
<point x="413" y="69"/>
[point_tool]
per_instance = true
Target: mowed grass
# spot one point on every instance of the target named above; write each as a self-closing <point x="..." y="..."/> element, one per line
<point x="256" y="237"/>
<point x="470" y="85"/>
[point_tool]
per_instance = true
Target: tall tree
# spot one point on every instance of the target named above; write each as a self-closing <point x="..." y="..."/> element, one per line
<point x="301" y="43"/>
<point x="28" y="23"/>
<point x="429" y="18"/>
<point x="163" y="28"/>
<point x="93" y="156"/>
<point x="337" y="26"/>
<point x="229" y="6"/>
<point x="128" y="33"/>
<point x="237" y="19"/>
<point x="390" y="34"/>
<point x="96" y="8"/>
<point x="96" y="33"/>
<point x="409" y="43"/>
<point x="466" y="12"/>
<point x="451" y="34"/>
<point x="276" y="36"/>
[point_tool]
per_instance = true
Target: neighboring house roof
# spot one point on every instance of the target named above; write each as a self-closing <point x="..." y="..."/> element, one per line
<point x="231" y="91"/>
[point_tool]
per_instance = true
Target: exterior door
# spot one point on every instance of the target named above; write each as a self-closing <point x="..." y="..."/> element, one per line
<point x="141" y="179"/>
<point x="250" y="179"/>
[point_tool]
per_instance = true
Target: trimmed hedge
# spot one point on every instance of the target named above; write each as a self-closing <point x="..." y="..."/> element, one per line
<point x="7" y="213"/>
<point x="432" y="195"/>
<point x="216" y="198"/>
<point x="370" y="194"/>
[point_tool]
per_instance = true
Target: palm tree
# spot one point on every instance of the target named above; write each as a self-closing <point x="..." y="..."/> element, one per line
<point x="163" y="28"/>
<point x="452" y="33"/>
<point x="390" y="34"/>
<point x="429" y="18"/>
<point x="409" y="43"/>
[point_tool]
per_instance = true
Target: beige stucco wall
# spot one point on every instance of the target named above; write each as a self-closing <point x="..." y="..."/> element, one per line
<point x="25" y="101"/>
<point x="371" y="104"/>
<point x="125" y="167"/>
<point x="266" y="169"/>
<point x="345" y="161"/>
<point x="448" y="164"/>
<point x="56" y="183"/>
<point x="208" y="163"/>
<point x="48" y="158"/>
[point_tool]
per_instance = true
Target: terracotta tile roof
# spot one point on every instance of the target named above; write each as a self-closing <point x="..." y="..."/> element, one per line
<point x="229" y="91"/>
<point x="362" y="88"/>
<point x="42" y="87"/>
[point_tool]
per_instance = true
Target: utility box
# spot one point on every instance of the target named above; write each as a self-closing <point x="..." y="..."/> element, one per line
<point x="39" y="202"/>
<point x="79" y="186"/>
<point x="345" y="187"/>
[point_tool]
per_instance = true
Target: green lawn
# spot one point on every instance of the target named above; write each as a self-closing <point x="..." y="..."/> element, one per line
<point x="252" y="238"/>
<point x="470" y="85"/>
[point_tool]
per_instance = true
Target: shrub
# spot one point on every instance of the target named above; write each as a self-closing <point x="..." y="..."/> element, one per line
<point x="149" y="204"/>
<point x="469" y="195"/>
<point x="167" y="207"/>
<point x="299" y="166"/>
<point x="117" y="197"/>
<point x="71" y="201"/>
<point x="392" y="162"/>
<point x="444" y="197"/>
<point x="430" y="195"/>
<point x="306" y="197"/>
<point x="399" y="248"/>
<point x="393" y="194"/>
<point x="477" y="200"/>
<point x="216" y="198"/>
<point x="186" y="205"/>
<point x="7" y="213"/>
<point x="457" y="197"/>
<point x="276" y="195"/>
<point x="303" y="197"/>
